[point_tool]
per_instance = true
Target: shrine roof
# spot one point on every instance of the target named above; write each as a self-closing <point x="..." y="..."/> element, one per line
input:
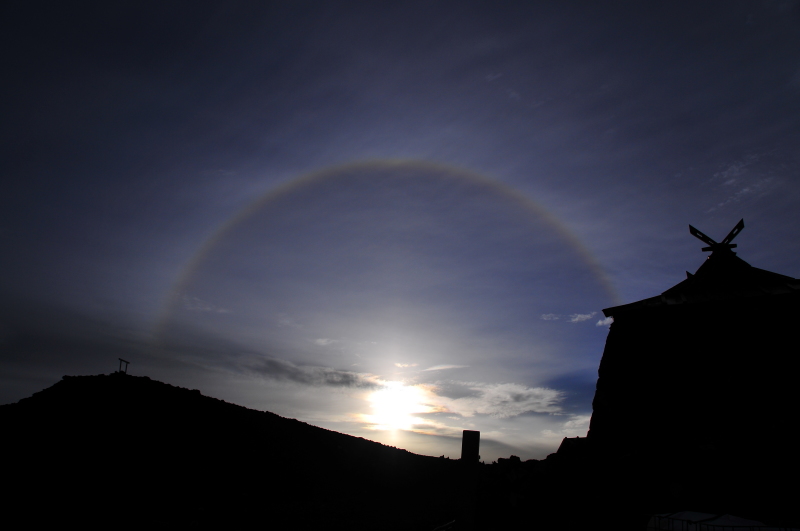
<point x="723" y="276"/>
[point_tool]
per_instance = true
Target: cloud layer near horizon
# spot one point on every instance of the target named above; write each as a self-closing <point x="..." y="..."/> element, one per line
<point x="312" y="375"/>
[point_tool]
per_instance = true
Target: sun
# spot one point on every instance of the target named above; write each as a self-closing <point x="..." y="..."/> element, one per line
<point x="395" y="405"/>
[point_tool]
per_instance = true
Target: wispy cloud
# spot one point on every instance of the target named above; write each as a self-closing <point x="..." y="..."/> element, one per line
<point x="579" y="317"/>
<point x="572" y="318"/>
<point x="735" y="170"/>
<point x="605" y="322"/>
<point x="196" y="304"/>
<point x="500" y="400"/>
<point x="324" y="341"/>
<point x="430" y="426"/>
<point x="575" y="426"/>
<point x="285" y="321"/>
<point x="754" y="188"/>
<point x="445" y="367"/>
<point x="404" y="365"/>
<point x="739" y="182"/>
<point x="311" y="375"/>
<point x="455" y="390"/>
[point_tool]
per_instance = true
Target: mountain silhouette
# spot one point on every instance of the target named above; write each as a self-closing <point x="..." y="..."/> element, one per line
<point x="119" y="451"/>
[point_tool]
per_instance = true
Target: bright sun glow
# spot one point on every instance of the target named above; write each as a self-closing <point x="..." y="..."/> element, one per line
<point x="394" y="407"/>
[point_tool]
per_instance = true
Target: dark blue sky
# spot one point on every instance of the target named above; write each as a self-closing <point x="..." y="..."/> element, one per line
<point x="374" y="216"/>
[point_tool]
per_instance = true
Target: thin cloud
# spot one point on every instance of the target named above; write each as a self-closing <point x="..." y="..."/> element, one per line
<point x="324" y="341"/>
<point x="429" y="426"/>
<point x="445" y="367"/>
<point x="746" y="183"/>
<point x="456" y="390"/>
<point x="196" y="304"/>
<point x="283" y="370"/>
<point x="550" y="317"/>
<point x="735" y="170"/>
<point x="755" y="188"/>
<point x="605" y="322"/>
<point x="577" y="425"/>
<point x="501" y="400"/>
<point x="285" y="321"/>
<point x="404" y="365"/>
<point x="580" y="317"/>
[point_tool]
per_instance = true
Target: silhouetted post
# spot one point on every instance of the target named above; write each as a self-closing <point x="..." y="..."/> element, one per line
<point x="121" y="361"/>
<point x="468" y="501"/>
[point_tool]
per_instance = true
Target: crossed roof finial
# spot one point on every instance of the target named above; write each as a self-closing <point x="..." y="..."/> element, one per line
<point x="724" y="244"/>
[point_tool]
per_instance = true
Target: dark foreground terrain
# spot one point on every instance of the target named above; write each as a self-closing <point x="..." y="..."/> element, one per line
<point x="124" y="452"/>
<point x="120" y="451"/>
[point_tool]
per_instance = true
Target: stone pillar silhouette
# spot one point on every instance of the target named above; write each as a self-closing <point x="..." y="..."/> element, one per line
<point x="468" y="500"/>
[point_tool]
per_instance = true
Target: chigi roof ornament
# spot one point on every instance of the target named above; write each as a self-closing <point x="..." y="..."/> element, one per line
<point x="724" y="244"/>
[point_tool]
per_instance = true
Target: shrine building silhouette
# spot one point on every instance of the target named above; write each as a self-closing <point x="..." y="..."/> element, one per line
<point x="697" y="394"/>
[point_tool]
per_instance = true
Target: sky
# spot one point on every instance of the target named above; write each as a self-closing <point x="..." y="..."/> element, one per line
<point x="397" y="221"/>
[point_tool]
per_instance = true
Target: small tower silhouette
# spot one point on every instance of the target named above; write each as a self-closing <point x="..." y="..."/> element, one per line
<point x="470" y="446"/>
<point x="468" y="499"/>
<point x="121" y="370"/>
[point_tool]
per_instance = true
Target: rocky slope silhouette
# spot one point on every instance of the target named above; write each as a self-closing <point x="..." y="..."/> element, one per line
<point x="125" y="452"/>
